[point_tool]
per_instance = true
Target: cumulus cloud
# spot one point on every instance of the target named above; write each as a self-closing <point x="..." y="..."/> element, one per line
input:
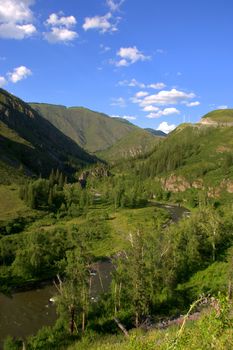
<point x="16" y="19"/>
<point x="60" y="35"/>
<point x="19" y="73"/>
<point x="165" y="127"/>
<point x="3" y="81"/>
<point x="135" y="83"/>
<point x="167" y="97"/>
<point x="193" y="104"/>
<point x="15" y="10"/>
<point x="157" y="86"/>
<point x="141" y="94"/>
<point x="54" y="20"/>
<point x="131" y="83"/>
<point x="100" y="23"/>
<point x="114" y="5"/>
<point x="164" y="112"/>
<point x="222" y="107"/>
<point x="130" y="55"/>
<point x="127" y="117"/>
<point x="16" y="31"/>
<point x="120" y="102"/>
<point x="60" y="28"/>
<point x="150" y="108"/>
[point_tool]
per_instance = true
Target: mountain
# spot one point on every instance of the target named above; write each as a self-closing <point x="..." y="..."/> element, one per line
<point x="218" y="117"/>
<point x="156" y="132"/>
<point x="138" y="142"/>
<point x="195" y="156"/>
<point x="30" y="142"/>
<point x="95" y="132"/>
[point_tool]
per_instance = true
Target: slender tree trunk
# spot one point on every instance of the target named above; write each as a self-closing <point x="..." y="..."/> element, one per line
<point x="122" y="328"/>
<point x="230" y="290"/>
<point x="119" y="296"/>
<point x="136" y="320"/>
<point x="214" y="249"/>
<point x="72" y="312"/>
<point x="115" y="301"/>
<point x="83" y="321"/>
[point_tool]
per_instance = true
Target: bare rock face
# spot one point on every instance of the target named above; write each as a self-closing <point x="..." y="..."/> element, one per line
<point x="211" y="122"/>
<point x="198" y="184"/>
<point x="227" y="185"/>
<point x="208" y="121"/>
<point x="176" y="184"/>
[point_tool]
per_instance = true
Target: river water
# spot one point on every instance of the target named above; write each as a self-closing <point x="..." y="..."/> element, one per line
<point x="24" y="313"/>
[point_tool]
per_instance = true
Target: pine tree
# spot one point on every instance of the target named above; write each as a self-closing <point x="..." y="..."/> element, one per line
<point x="61" y="181"/>
<point x="52" y="178"/>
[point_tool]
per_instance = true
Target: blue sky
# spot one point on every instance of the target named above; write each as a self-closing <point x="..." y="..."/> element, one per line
<point x="156" y="62"/>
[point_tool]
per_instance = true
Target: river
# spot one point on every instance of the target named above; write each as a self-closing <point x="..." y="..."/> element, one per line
<point x="24" y="313"/>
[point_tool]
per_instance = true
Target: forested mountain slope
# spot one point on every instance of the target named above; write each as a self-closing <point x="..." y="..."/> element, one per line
<point x="95" y="131"/>
<point x="195" y="156"/>
<point x="33" y="144"/>
<point x="135" y="144"/>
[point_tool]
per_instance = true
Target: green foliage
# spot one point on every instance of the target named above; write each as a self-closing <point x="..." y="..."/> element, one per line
<point x="11" y="344"/>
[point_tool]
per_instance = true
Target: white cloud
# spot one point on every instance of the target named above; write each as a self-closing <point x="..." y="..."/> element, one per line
<point x="131" y="83"/>
<point x="193" y="104"/>
<point x="15" y="10"/>
<point x="135" y="83"/>
<point x="164" y="112"/>
<point x="166" y="97"/>
<point x="16" y="31"/>
<point x="141" y="94"/>
<point x="101" y="23"/>
<point x="60" y="35"/>
<point x="150" y="108"/>
<point x="15" y="19"/>
<point x="114" y="5"/>
<point x="157" y="86"/>
<point x="120" y="102"/>
<point x="222" y="107"/>
<point x="127" y="117"/>
<point x="19" y="73"/>
<point x="60" y="28"/>
<point x="55" y="20"/>
<point x="3" y="81"/>
<point x="165" y="127"/>
<point x="130" y="55"/>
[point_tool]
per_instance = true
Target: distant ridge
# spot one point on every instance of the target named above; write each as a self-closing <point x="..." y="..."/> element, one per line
<point x="97" y="132"/>
<point x="29" y="141"/>
<point x="156" y="132"/>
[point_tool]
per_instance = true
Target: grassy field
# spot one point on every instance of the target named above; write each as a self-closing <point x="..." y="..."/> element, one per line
<point x="120" y="224"/>
<point x="11" y="206"/>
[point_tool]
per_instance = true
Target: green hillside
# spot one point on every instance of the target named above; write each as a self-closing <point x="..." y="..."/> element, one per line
<point x="94" y="131"/>
<point x="31" y="144"/>
<point x="193" y="157"/>
<point x="132" y="145"/>
<point x="220" y="116"/>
